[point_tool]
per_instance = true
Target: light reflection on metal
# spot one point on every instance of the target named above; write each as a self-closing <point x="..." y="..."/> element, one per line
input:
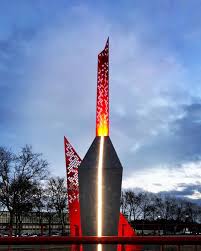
<point x="99" y="188"/>
<point x="102" y="106"/>
<point x="99" y="247"/>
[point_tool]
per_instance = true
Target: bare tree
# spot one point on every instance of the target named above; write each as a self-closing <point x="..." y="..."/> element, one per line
<point x="152" y="208"/>
<point x="180" y="212"/>
<point x="135" y="206"/>
<point x="6" y="163"/>
<point x="57" y="198"/>
<point x="30" y="165"/>
<point x="123" y="203"/>
<point x="145" y="205"/>
<point x="129" y="202"/>
<point x="39" y="205"/>
<point x="19" y="178"/>
<point x="167" y="207"/>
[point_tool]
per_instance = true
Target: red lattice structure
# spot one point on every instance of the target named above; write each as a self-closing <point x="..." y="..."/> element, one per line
<point x="72" y="163"/>
<point x="102" y="106"/>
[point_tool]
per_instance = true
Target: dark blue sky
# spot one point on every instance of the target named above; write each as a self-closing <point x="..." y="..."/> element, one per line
<point x="48" y="63"/>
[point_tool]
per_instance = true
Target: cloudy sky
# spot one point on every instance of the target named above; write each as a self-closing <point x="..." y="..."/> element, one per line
<point x="48" y="63"/>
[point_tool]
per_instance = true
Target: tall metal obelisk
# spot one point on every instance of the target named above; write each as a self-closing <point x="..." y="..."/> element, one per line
<point x="100" y="172"/>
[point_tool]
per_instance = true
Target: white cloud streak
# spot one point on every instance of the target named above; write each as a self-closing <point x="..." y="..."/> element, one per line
<point x="165" y="178"/>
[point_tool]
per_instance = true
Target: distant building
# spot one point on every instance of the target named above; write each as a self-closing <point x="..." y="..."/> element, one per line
<point x="34" y="223"/>
<point x="165" y="227"/>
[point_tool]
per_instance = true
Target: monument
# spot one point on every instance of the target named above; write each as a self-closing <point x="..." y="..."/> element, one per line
<point x="100" y="172"/>
<point x="94" y="198"/>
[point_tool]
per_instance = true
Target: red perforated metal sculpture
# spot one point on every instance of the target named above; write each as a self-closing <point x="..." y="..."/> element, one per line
<point x="102" y="106"/>
<point x="72" y="162"/>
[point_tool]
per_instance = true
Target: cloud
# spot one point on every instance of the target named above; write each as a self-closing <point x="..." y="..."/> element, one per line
<point x="181" y="180"/>
<point x="48" y="90"/>
<point x="175" y="144"/>
<point x="196" y="195"/>
<point x="62" y="88"/>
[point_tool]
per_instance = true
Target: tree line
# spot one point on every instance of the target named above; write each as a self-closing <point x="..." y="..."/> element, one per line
<point x="26" y="186"/>
<point x="155" y="207"/>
